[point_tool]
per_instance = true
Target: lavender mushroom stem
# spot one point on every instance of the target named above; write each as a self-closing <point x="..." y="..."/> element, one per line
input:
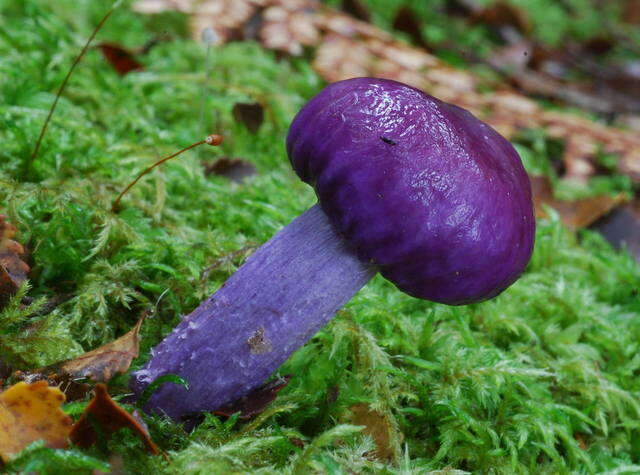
<point x="285" y="292"/>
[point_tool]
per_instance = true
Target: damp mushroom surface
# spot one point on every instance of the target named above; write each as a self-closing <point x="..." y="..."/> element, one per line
<point x="409" y="186"/>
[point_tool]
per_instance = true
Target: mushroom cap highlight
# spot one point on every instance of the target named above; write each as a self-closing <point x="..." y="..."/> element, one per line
<point x="433" y="196"/>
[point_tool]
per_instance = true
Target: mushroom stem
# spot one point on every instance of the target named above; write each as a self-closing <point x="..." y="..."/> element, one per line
<point x="285" y="292"/>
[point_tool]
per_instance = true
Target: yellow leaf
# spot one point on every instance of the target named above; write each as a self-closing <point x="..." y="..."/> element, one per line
<point x="30" y="412"/>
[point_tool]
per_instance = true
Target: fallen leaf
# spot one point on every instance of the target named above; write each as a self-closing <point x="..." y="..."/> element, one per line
<point x="13" y="270"/>
<point x="122" y="60"/>
<point x="621" y="228"/>
<point x="235" y="169"/>
<point x="377" y="426"/>
<point x="574" y="214"/>
<point x="345" y="47"/>
<point x="256" y="402"/>
<point x="30" y="412"/>
<point x="100" y="364"/>
<point x="249" y="114"/>
<point x="105" y="362"/>
<point x="102" y="417"/>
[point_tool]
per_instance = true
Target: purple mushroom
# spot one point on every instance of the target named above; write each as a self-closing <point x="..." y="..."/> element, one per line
<point x="409" y="186"/>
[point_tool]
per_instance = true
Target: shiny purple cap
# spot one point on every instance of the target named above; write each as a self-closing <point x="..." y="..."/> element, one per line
<point x="436" y="198"/>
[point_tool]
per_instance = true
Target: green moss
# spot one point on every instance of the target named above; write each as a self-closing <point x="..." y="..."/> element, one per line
<point x="544" y="377"/>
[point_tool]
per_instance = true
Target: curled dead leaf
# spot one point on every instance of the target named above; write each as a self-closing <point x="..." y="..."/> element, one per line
<point x="30" y="412"/>
<point x="105" y="362"/>
<point x="102" y="417"/>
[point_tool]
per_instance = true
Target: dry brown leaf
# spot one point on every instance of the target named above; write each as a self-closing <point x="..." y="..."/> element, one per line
<point x="100" y="364"/>
<point x="377" y="426"/>
<point x="102" y="417"/>
<point x="13" y="270"/>
<point x="105" y="362"/>
<point x="30" y="412"/>
<point x="574" y="214"/>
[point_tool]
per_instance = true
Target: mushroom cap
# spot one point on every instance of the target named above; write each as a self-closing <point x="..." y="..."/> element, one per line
<point x="433" y="196"/>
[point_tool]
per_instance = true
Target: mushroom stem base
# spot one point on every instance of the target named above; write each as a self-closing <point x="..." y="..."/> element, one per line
<point x="228" y="346"/>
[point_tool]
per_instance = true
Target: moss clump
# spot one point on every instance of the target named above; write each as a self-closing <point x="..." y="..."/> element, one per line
<point x="543" y="378"/>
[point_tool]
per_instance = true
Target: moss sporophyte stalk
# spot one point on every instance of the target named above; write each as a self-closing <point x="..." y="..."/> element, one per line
<point x="213" y="140"/>
<point x="417" y="189"/>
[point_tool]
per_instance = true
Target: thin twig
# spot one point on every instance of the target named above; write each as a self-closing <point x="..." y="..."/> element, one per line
<point x="29" y="166"/>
